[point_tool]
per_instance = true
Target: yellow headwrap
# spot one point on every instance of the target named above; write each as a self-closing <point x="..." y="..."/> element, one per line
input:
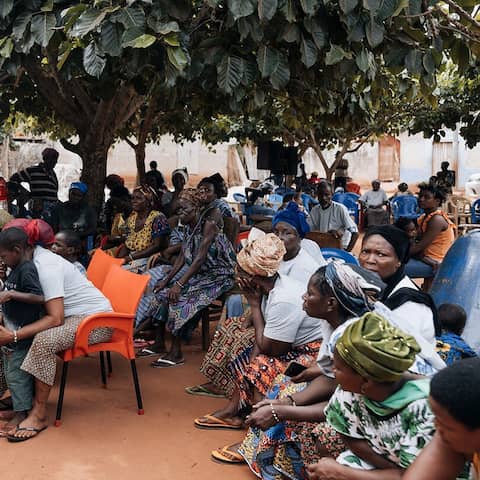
<point x="376" y="349"/>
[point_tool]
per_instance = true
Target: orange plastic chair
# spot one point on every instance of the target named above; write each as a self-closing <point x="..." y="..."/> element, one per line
<point x="124" y="290"/>
<point x="99" y="266"/>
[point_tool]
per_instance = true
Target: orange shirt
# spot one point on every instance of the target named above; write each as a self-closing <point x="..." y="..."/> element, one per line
<point x="441" y="243"/>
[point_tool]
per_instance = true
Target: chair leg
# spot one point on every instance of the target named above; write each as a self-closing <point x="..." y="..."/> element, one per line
<point x="61" y="393"/>
<point x="137" y="387"/>
<point x="205" y="328"/>
<point x="109" y="363"/>
<point x="102" y="370"/>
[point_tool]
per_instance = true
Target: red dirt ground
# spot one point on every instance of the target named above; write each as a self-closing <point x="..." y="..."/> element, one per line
<point x="102" y="437"/>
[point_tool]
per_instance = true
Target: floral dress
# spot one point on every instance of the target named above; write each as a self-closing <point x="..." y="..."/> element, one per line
<point x="397" y="429"/>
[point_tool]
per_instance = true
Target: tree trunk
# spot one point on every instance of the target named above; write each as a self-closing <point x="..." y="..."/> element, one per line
<point x="94" y="172"/>
<point x="140" y="160"/>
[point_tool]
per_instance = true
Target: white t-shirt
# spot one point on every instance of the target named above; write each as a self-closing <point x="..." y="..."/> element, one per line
<point x="302" y="267"/>
<point x="61" y="279"/>
<point x="285" y="320"/>
<point x="314" y="251"/>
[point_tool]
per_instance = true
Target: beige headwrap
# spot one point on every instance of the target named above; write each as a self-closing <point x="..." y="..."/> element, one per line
<point x="262" y="256"/>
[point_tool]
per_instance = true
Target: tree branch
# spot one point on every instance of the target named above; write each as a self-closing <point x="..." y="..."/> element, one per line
<point x="126" y="139"/>
<point x="463" y="13"/>
<point x="72" y="147"/>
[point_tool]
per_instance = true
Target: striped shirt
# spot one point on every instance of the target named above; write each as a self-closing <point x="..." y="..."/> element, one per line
<point x="43" y="184"/>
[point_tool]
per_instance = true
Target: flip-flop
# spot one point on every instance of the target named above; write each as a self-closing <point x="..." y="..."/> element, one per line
<point x="201" y="390"/>
<point x="225" y="455"/>
<point x="164" y="363"/>
<point x="13" y="439"/>
<point x="147" y="352"/>
<point x="215" y="423"/>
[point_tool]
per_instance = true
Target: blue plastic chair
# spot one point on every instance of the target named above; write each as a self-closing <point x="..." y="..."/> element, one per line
<point x="276" y="200"/>
<point x="350" y="200"/>
<point x="340" y="254"/>
<point x="405" y="206"/>
<point x="283" y="191"/>
<point x="476" y="211"/>
<point x="308" y="200"/>
<point x="240" y="197"/>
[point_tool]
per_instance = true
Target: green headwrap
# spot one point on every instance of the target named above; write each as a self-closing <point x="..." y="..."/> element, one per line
<point x="376" y="349"/>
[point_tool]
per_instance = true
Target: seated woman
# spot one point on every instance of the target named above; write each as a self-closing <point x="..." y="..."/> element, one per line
<point x="211" y="190"/>
<point x="235" y="334"/>
<point x="170" y="199"/>
<point x="283" y="332"/>
<point x="436" y="235"/>
<point x="121" y="207"/>
<point x="75" y="214"/>
<point x="385" y="252"/>
<point x="203" y="271"/>
<point x="380" y="413"/>
<point x="147" y="229"/>
<point x="69" y="298"/>
<point x="335" y="293"/>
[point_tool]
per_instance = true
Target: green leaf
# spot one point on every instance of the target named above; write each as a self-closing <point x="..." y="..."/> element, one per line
<point x="374" y="33"/>
<point x="129" y="36"/>
<point x="287" y="7"/>
<point x="89" y="20"/>
<point x="172" y="40"/>
<point x="267" y="9"/>
<point x="250" y="71"/>
<point x="309" y="52"/>
<point x="281" y="73"/>
<point x="142" y="41"/>
<point x="93" y="62"/>
<point x="267" y="60"/>
<point x="241" y="8"/>
<point x="309" y="6"/>
<point x="47" y="6"/>
<point x="259" y="98"/>
<point x="164" y="28"/>
<point x="63" y="57"/>
<point x="335" y="55"/>
<point x="111" y="39"/>
<point x="386" y="9"/>
<point x="461" y="55"/>
<point x="414" y="61"/>
<point x="5" y="7"/>
<point x="70" y="15"/>
<point x="130" y="17"/>
<point x="362" y="60"/>
<point x="318" y="32"/>
<point x="7" y="47"/>
<point x="177" y="57"/>
<point x="42" y="28"/>
<point x="229" y="73"/>
<point x="372" y="5"/>
<point x="20" y="24"/>
<point x="429" y="62"/>
<point x="402" y="4"/>
<point x="348" y="6"/>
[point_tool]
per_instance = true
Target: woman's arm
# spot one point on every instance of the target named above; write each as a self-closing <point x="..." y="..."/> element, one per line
<point x="23" y="297"/>
<point x="54" y="317"/>
<point x="158" y="243"/>
<point x="436" y="225"/>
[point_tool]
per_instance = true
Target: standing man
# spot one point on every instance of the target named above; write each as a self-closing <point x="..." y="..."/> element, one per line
<point x="157" y="174"/>
<point x="41" y="179"/>
<point x="341" y="174"/>
<point x="446" y="178"/>
<point x="333" y="217"/>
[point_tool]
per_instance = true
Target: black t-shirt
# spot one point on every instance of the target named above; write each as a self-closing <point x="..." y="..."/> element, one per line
<point x="23" y="278"/>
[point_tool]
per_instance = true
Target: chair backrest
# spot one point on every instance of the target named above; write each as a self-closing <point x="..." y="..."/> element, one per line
<point x="349" y="200"/>
<point x="476" y="211"/>
<point x="404" y="206"/>
<point x="240" y="197"/>
<point x="99" y="266"/>
<point x="276" y="200"/>
<point x="124" y="289"/>
<point x="340" y="254"/>
<point x="326" y="239"/>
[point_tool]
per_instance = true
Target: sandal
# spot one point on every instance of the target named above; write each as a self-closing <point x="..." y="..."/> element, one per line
<point x="147" y="352"/>
<point x="225" y="455"/>
<point x="35" y="432"/>
<point x="201" y="390"/>
<point x="164" y="363"/>
<point x="215" y="423"/>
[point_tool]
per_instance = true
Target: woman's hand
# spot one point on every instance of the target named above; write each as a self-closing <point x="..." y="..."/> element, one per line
<point x="309" y="374"/>
<point x="274" y="401"/>
<point x="326" y="469"/>
<point x="174" y="293"/>
<point x="6" y="336"/>
<point x="262" y="418"/>
<point x="160" y="285"/>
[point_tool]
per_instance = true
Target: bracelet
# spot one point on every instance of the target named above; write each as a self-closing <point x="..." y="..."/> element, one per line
<point x="274" y="414"/>
<point x="180" y="284"/>
<point x="292" y="400"/>
<point x="15" y="338"/>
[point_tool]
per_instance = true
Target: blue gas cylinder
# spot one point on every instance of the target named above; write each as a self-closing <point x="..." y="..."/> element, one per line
<point x="458" y="281"/>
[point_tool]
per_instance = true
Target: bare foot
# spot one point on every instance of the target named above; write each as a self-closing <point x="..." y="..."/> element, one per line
<point x="11" y="425"/>
<point x="212" y="388"/>
<point x="30" y="427"/>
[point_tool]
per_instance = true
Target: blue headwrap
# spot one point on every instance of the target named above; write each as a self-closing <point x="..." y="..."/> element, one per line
<point x="294" y="217"/>
<point x="79" y="186"/>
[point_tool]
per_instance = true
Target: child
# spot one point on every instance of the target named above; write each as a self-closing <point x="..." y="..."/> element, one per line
<point x="450" y="345"/>
<point x="68" y="245"/>
<point x="22" y="303"/>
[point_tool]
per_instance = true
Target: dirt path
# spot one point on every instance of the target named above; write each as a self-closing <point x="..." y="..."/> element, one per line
<point x="102" y="437"/>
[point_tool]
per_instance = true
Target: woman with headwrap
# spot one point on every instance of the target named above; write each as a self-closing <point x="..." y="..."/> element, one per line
<point x="282" y="331"/>
<point x="336" y="292"/>
<point x="381" y="414"/>
<point x="147" y="230"/>
<point x="170" y="199"/>
<point x="234" y="334"/>
<point x="75" y="214"/>
<point x="202" y="272"/>
<point x="385" y="251"/>
<point x="69" y="298"/>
